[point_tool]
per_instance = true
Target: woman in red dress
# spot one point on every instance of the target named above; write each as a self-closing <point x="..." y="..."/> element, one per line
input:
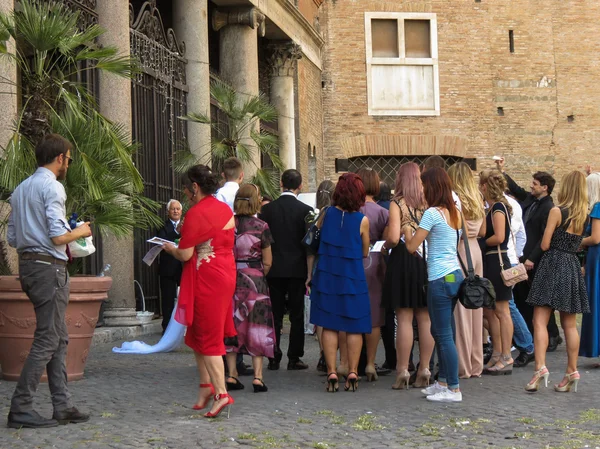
<point x="207" y="284"/>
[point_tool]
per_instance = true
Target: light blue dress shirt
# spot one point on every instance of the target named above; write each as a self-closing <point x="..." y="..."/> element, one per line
<point x="38" y="214"/>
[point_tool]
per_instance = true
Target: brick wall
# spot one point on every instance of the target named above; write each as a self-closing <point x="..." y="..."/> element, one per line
<point x="551" y="75"/>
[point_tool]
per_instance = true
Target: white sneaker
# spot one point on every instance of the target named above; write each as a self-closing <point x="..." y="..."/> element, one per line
<point x="433" y="389"/>
<point x="446" y="396"/>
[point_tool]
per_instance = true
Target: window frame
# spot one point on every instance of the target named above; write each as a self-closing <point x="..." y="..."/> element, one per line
<point x="402" y="60"/>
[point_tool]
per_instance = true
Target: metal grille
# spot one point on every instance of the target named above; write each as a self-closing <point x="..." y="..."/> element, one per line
<point x="387" y="166"/>
<point x="159" y="97"/>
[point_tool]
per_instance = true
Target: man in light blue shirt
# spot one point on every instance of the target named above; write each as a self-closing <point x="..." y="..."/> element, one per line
<point x="39" y="230"/>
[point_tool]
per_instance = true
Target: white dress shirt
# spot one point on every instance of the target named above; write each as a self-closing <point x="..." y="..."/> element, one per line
<point x="518" y="231"/>
<point x="227" y="193"/>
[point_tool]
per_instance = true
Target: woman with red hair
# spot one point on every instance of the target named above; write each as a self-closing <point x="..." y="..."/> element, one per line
<point x="339" y="292"/>
<point x="440" y="225"/>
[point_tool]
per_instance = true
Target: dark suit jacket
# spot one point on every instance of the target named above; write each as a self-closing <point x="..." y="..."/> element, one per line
<point x="168" y="265"/>
<point x="535" y="223"/>
<point x="286" y="219"/>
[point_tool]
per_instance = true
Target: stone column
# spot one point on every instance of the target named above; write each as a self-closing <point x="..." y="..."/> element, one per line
<point x="115" y="104"/>
<point x="190" y="20"/>
<point x="238" y="60"/>
<point x="283" y="66"/>
<point x="8" y="106"/>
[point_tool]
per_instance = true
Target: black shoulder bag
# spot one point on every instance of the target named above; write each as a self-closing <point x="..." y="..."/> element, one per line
<point x="474" y="292"/>
<point x="312" y="239"/>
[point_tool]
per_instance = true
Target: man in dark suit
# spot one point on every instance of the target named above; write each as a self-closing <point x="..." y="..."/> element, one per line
<point x="536" y="205"/>
<point x="169" y="268"/>
<point x="286" y="219"/>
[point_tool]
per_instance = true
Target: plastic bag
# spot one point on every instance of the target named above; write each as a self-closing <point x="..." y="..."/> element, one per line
<point x="82" y="247"/>
<point x="308" y="328"/>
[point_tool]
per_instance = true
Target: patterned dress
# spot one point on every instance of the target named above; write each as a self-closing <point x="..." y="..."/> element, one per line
<point x="558" y="282"/>
<point x="252" y="311"/>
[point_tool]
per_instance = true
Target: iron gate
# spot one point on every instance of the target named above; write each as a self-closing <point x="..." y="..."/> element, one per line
<point x="159" y="97"/>
<point x="387" y="166"/>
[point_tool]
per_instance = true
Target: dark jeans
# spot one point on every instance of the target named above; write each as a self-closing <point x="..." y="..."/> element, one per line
<point x="47" y="286"/>
<point x="520" y="293"/>
<point x="168" y="293"/>
<point x="294" y="289"/>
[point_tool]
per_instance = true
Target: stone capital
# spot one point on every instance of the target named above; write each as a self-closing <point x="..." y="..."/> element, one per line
<point x="282" y="58"/>
<point x="251" y="17"/>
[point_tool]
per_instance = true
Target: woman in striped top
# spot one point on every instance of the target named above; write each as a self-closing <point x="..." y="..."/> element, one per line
<point x="440" y="226"/>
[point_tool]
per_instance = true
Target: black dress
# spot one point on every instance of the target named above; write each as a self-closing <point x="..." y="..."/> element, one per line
<point x="491" y="261"/>
<point x="406" y="274"/>
<point x="558" y="282"/>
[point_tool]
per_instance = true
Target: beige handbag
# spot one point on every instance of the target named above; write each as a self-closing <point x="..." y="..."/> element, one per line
<point x="512" y="275"/>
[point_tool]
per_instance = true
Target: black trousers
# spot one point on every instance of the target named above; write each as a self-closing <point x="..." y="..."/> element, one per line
<point x="168" y="293"/>
<point x="388" y="333"/>
<point x="294" y="290"/>
<point x="521" y="292"/>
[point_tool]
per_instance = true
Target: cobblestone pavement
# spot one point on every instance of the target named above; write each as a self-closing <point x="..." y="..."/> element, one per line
<point x="144" y="402"/>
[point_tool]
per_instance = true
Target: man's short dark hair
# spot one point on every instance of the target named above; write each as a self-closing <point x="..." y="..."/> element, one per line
<point x="433" y="162"/>
<point x="50" y="147"/>
<point x="291" y="179"/>
<point x="545" y="179"/>
<point x="232" y="168"/>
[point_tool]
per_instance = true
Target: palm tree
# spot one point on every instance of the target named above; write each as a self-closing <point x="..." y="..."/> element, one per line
<point x="52" y="55"/>
<point x="242" y="115"/>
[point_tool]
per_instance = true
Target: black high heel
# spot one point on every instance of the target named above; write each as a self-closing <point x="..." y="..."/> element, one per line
<point x="332" y="383"/>
<point x="353" y="382"/>
<point x="232" y="386"/>
<point x="259" y="388"/>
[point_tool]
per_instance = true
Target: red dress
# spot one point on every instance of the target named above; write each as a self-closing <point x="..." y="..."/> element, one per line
<point x="209" y="277"/>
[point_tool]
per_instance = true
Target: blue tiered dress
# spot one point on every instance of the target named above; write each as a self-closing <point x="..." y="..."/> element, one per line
<point x="339" y="292"/>
<point x="590" y="325"/>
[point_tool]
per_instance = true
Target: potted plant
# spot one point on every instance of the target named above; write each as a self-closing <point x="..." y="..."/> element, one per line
<point x="103" y="185"/>
<point x="242" y="116"/>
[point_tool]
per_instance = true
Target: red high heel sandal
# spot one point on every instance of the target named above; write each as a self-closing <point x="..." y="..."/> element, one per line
<point x="205" y="403"/>
<point x="228" y="404"/>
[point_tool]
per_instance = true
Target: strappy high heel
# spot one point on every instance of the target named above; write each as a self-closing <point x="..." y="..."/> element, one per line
<point x="259" y="388"/>
<point x="422" y="379"/>
<point x="353" y="382"/>
<point x="371" y="373"/>
<point x="228" y="404"/>
<point x="205" y="403"/>
<point x="401" y="381"/>
<point x="572" y="381"/>
<point x="534" y="383"/>
<point x="332" y="383"/>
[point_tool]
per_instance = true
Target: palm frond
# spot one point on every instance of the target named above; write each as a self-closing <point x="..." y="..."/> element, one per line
<point x="268" y="181"/>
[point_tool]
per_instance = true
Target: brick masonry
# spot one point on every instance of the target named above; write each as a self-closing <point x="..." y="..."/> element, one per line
<point x="551" y="75"/>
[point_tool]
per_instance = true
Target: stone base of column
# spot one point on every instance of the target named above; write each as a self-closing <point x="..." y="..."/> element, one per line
<point x="121" y="317"/>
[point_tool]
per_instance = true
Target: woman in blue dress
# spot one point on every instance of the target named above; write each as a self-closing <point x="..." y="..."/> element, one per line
<point x="339" y="292"/>
<point x="590" y="325"/>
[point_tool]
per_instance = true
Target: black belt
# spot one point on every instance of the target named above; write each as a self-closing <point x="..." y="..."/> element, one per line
<point x="42" y="258"/>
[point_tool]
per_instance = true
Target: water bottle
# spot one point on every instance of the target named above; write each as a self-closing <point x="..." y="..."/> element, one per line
<point x="104" y="271"/>
<point x="73" y="220"/>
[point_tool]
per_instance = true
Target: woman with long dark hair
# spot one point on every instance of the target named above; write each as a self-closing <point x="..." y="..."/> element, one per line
<point x="406" y="277"/>
<point x="339" y="292"/>
<point x="440" y="226"/>
<point x="207" y="284"/>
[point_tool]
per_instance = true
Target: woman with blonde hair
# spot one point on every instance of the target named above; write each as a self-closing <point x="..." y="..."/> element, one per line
<point x="469" y="323"/>
<point x="590" y="325"/>
<point x="406" y="276"/>
<point x="492" y="184"/>
<point x="558" y="283"/>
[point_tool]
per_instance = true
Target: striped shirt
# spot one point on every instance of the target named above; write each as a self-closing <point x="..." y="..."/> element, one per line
<point x="442" y="257"/>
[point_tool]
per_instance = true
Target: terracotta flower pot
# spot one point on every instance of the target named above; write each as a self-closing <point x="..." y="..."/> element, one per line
<point x="17" y="323"/>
